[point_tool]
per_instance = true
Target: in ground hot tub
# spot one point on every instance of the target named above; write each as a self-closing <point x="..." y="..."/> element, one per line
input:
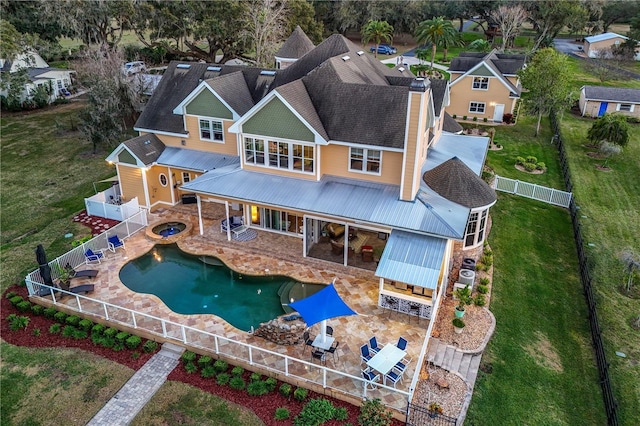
<point x="167" y="232"/>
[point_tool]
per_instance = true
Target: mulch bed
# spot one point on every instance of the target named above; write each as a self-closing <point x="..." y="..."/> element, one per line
<point x="97" y="224"/>
<point x="263" y="406"/>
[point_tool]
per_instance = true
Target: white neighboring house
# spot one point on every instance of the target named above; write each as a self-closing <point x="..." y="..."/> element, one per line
<point x="594" y="45"/>
<point x="39" y="73"/>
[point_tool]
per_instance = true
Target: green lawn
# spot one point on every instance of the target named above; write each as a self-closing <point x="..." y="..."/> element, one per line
<point x="610" y="217"/>
<point x="539" y="366"/>
<point x="583" y="77"/>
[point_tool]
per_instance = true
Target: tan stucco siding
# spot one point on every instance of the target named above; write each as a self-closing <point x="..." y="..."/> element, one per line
<point x="157" y="192"/>
<point x="279" y="172"/>
<point x="230" y="145"/>
<point x="412" y="145"/>
<point x="131" y="184"/>
<point x="462" y="95"/>
<point x="592" y="108"/>
<point x="454" y="76"/>
<point x="335" y="162"/>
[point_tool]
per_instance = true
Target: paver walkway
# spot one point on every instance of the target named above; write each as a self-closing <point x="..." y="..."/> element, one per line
<point x="127" y="403"/>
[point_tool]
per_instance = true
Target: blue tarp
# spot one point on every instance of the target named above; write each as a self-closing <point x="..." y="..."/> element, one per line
<point x="322" y="305"/>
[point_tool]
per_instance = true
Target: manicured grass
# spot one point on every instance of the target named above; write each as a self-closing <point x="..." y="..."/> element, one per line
<point x="55" y="386"/>
<point x="583" y="77"/>
<point x="47" y="168"/>
<point x="610" y="217"/>
<point x="178" y="403"/>
<point x="541" y="359"/>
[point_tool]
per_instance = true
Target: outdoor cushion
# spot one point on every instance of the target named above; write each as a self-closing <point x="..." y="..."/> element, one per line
<point x="335" y="230"/>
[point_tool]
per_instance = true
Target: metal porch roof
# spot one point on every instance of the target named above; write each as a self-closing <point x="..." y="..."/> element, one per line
<point x="195" y="160"/>
<point x="472" y="150"/>
<point x="413" y="259"/>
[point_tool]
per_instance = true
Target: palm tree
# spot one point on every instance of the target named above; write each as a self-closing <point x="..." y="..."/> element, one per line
<point x="480" y="45"/>
<point x="438" y="32"/>
<point x="377" y="31"/>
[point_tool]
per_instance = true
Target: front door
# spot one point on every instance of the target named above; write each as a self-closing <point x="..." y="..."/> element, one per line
<point x="603" y="108"/>
<point x="498" y="112"/>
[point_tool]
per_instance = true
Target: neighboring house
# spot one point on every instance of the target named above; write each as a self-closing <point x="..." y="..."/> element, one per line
<point x="40" y="74"/>
<point x="336" y="141"/>
<point x="294" y="48"/>
<point x="600" y="45"/>
<point x="485" y="85"/>
<point x="595" y="101"/>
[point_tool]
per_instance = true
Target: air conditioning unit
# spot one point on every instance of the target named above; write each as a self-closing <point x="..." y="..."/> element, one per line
<point x="467" y="276"/>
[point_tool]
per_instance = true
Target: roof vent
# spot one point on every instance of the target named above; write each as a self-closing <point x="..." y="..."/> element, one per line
<point x="345" y="58"/>
<point x="360" y="52"/>
<point x="418" y="85"/>
<point x="213" y="68"/>
<point x="183" y="66"/>
<point x="147" y="142"/>
<point x="266" y="72"/>
<point x="401" y="69"/>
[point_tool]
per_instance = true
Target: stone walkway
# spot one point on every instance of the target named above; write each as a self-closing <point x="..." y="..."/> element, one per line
<point x="127" y="403"/>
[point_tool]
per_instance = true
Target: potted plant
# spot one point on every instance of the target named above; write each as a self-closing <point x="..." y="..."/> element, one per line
<point x="434" y="409"/>
<point x="64" y="275"/>
<point x="464" y="298"/>
<point x="458" y="325"/>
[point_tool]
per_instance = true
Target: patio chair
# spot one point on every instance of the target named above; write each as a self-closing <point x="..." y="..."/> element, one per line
<point x="402" y="365"/>
<point x="370" y="377"/>
<point x="402" y="343"/>
<point x="365" y="356"/>
<point x="332" y="350"/>
<point x="329" y="330"/>
<point x="91" y="256"/>
<point x="233" y="223"/>
<point x="308" y="341"/>
<point x="319" y="355"/>
<point x="115" y="242"/>
<point x="393" y="377"/>
<point x="87" y="273"/>
<point x="373" y="343"/>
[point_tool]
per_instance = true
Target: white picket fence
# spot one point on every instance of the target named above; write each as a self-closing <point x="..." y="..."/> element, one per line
<point x="531" y="190"/>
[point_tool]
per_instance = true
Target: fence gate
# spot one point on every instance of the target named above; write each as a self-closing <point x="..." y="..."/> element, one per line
<point x="419" y="415"/>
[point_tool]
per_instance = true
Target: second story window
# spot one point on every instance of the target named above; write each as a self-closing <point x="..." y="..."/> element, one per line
<point x="279" y="154"/>
<point x="481" y="83"/>
<point x="211" y="130"/>
<point x="186" y="177"/>
<point x="365" y="160"/>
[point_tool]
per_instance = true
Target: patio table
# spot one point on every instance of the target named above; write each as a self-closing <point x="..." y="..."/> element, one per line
<point x="318" y="343"/>
<point x="386" y="358"/>
<point x="239" y="230"/>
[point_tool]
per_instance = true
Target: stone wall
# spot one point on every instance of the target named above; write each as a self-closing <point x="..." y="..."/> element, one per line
<point x="282" y="332"/>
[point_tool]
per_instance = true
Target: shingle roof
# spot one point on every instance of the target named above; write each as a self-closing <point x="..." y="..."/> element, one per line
<point x="450" y="125"/>
<point x="438" y="90"/>
<point x="233" y="89"/>
<point x="506" y="64"/>
<point x="600" y="93"/>
<point x="456" y="182"/>
<point x="295" y="93"/>
<point x="147" y="148"/>
<point x="296" y="46"/>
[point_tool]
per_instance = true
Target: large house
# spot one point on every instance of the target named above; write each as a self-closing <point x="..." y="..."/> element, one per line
<point x="333" y="145"/>
<point x="485" y="85"/>
<point x="39" y="74"/>
<point x="595" y="101"/>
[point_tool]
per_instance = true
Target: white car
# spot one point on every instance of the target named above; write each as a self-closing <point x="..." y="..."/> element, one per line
<point x="131" y="68"/>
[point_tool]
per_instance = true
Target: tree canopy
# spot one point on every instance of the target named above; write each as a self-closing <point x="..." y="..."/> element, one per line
<point x="612" y="128"/>
<point x="438" y="32"/>
<point x="546" y="79"/>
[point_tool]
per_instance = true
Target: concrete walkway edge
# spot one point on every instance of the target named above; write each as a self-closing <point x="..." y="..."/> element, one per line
<point x="129" y="400"/>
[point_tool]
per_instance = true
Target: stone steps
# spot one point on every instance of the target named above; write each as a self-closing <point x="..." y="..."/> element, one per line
<point x="449" y="358"/>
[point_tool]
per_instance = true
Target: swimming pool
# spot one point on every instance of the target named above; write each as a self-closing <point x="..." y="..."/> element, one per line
<point x="190" y="284"/>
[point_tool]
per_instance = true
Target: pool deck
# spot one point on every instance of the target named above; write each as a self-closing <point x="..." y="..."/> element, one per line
<point x="272" y="254"/>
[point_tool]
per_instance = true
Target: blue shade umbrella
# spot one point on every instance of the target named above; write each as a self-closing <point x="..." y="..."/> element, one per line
<point x="321" y="306"/>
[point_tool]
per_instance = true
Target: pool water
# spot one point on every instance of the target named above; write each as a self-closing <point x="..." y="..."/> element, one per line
<point x="190" y="284"/>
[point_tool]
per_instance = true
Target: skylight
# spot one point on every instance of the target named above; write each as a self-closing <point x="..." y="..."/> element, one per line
<point x="183" y="66"/>
<point x="360" y="52"/>
<point x="213" y="68"/>
<point x="345" y="58"/>
<point x="265" y="72"/>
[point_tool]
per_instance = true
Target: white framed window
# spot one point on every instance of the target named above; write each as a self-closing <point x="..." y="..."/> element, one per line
<point x="625" y="107"/>
<point x="365" y="160"/>
<point x="474" y="234"/>
<point x="163" y="179"/>
<point x="211" y="130"/>
<point x="279" y="154"/>
<point x="477" y="107"/>
<point x="186" y="177"/>
<point x="480" y="83"/>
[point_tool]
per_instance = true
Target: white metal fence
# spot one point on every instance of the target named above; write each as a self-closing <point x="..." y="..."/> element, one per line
<point x="231" y="349"/>
<point x="103" y="204"/>
<point x="531" y="190"/>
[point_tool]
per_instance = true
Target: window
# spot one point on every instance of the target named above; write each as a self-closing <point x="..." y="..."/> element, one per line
<point x="477" y="107"/>
<point x="211" y="130"/>
<point x="186" y="177"/>
<point x="280" y="155"/>
<point x="163" y="179"/>
<point x="481" y="83"/>
<point x="276" y="220"/>
<point x="625" y="107"/>
<point x="474" y="234"/>
<point x="365" y="160"/>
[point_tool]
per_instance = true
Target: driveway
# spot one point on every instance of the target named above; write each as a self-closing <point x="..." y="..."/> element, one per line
<point x="567" y="46"/>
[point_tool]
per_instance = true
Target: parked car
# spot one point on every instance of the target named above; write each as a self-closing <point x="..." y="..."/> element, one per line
<point x="384" y="49"/>
<point x="131" y="68"/>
